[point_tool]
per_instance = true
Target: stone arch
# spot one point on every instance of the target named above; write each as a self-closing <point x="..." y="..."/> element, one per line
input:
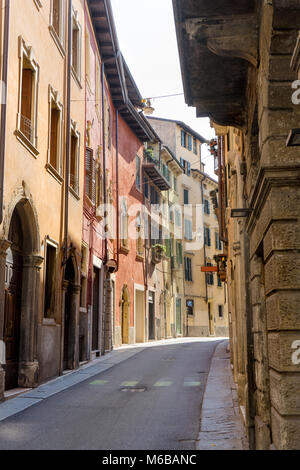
<point x="21" y="240"/>
<point x="23" y="201"/>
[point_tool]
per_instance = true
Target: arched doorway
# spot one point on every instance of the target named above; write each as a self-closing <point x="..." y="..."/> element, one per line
<point x="125" y="315"/>
<point x="13" y="298"/>
<point x="18" y="312"/>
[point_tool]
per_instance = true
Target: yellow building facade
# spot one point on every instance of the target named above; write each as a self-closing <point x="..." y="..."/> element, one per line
<point x="204" y="303"/>
<point x="40" y="281"/>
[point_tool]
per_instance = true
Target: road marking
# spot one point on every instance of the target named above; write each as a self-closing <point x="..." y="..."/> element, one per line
<point x="192" y="384"/>
<point x="132" y="383"/>
<point x="163" y="383"/>
<point x="99" y="382"/>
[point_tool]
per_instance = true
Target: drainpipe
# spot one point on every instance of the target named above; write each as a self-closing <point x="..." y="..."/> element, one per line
<point x="68" y="136"/>
<point x="204" y="247"/>
<point x="3" y="104"/>
<point x="105" y="207"/>
<point x="104" y="157"/>
<point x="117" y="185"/>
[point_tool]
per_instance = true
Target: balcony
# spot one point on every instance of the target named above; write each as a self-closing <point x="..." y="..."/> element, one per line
<point x="151" y="167"/>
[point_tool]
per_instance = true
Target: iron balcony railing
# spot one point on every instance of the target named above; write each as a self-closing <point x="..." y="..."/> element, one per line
<point x="27" y="127"/>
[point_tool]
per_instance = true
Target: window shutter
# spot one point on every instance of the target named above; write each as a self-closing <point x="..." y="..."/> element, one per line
<point x="54" y="138"/>
<point x="56" y="15"/>
<point x="27" y="77"/>
<point x="168" y="247"/>
<point x="208" y="233"/>
<point x="93" y="194"/>
<point x="88" y="172"/>
<point x="188" y="168"/>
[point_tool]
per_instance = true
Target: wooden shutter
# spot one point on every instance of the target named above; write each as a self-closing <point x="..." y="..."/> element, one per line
<point x="56" y="16"/>
<point x="55" y="114"/>
<point x="26" y="93"/>
<point x="93" y="189"/>
<point x="88" y="168"/>
<point x="73" y="163"/>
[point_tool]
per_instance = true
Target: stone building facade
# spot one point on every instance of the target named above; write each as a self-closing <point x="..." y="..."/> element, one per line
<point x="250" y="49"/>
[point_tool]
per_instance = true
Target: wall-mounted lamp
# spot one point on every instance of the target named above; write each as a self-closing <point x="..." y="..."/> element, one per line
<point x="147" y="109"/>
<point x="240" y="212"/>
<point x="293" y="139"/>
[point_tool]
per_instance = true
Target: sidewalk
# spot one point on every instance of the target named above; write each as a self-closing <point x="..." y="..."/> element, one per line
<point x="221" y="423"/>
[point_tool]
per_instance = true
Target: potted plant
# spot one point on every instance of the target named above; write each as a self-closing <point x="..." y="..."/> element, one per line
<point x="158" y="251"/>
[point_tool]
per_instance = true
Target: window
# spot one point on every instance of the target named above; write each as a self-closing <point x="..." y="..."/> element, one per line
<point x="139" y="243"/>
<point x="57" y="23"/>
<point x="195" y="146"/>
<point x="28" y="90"/>
<point x="76" y="47"/>
<point x="179" y="252"/>
<point x="146" y="187"/>
<point x="218" y="242"/>
<point x="220" y="311"/>
<point x="188" y="230"/>
<point x="188" y="168"/>
<point x="219" y="282"/>
<point x="190" y="142"/>
<point x="209" y="276"/>
<point x="89" y="57"/>
<point x="206" y="207"/>
<point x="175" y="183"/>
<point x="54" y="126"/>
<point x="154" y="196"/>
<point x="183" y="164"/>
<point x="98" y="88"/>
<point x="55" y="133"/>
<point x="165" y="172"/>
<point x="156" y="233"/>
<point x="188" y="269"/>
<point x="177" y="217"/>
<point x="90" y="175"/>
<point x="185" y="196"/>
<point x="74" y="159"/>
<point x="207" y="239"/>
<point x="50" y="281"/>
<point x="190" y="307"/>
<point x="124" y="223"/>
<point x="183" y="138"/>
<point x="138" y="172"/>
<point x="168" y="246"/>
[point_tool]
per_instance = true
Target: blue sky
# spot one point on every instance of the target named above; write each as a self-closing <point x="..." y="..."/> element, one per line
<point x="147" y="37"/>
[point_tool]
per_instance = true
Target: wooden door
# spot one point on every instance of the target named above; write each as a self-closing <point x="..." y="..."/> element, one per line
<point x="12" y="316"/>
<point x="178" y="317"/>
<point x="96" y="310"/>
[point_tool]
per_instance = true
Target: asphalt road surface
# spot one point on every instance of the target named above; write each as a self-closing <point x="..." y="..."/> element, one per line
<point x="151" y="401"/>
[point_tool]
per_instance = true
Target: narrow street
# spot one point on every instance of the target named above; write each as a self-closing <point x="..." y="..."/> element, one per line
<point x="149" y="401"/>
